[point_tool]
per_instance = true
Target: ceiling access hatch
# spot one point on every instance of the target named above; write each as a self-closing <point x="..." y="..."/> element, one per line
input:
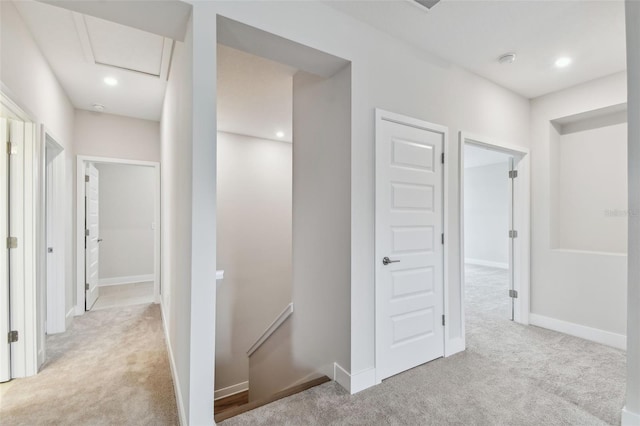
<point x="119" y="46"/>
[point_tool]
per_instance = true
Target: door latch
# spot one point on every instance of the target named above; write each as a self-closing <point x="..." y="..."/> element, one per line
<point x="386" y="261"/>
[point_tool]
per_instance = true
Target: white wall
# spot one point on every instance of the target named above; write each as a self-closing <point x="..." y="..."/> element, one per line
<point x="486" y="214"/>
<point x="321" y="329"/>
<point x="115" y="136"/>
<point x="29" y="81"/>
<point x="592" y="183"/>
<point x="394" y="76"/>
<point x="254" y="246"/>
<point x="126" y="221"/>
<point x="588" y="289"/>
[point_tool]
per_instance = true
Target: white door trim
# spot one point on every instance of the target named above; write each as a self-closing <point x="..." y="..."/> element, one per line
<point x="450" y="346"/>
<point x="521" y="218"/>
<point x="54" y="187"/>
<point x="82" y="160"/>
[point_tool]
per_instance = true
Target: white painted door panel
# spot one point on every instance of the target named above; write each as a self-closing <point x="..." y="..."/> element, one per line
<point x="92" y="252"/>
<point x="5" y="347"/>
<point x="409" y="218"/>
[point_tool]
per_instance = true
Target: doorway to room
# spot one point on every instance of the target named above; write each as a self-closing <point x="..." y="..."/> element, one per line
<point x="494" y="231"/>
<point x="119" y="232"/>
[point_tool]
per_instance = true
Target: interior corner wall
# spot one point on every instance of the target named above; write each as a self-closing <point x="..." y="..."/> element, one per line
<point x="127" y="204"/>
<point x="486" y="214"/>
<point x="586" y="289"/>
<point x="415" y="84"/>
<point x="32" y="85"/>
<point x="321" y="331"/>
<point x="254" y="246"/>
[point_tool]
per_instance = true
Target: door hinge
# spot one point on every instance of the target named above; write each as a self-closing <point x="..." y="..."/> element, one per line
<point x="513" y="294"/>
<point x="86" y="178"/>
<point x="86" y="286"/>
<point x="11" y="149"/>
<point x="442" y="238"/>
<point x="513" y="174"/>
<point x="513" y="234"/>
<point x="12" y="242"/>
<point x="13" y="336"/>
<point x="86" y="232"/>
<point x="442" y="158"/>
<point x="443" y="321"/>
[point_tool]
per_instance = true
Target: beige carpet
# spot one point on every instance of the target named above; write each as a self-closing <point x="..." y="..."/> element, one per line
<point x="109" y="368"/>
<point x="509" y="375"/>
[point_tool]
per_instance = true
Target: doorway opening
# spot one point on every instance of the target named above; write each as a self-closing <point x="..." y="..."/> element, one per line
<point x="118" y="221"/>
<point x="283" y="216"/>
<point x="494" y="231"/>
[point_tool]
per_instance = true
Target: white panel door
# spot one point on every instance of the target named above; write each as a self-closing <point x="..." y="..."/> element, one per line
<point x="5" y="347"/>
<point x="92" y="251"/>
<point x="409" y="226"/>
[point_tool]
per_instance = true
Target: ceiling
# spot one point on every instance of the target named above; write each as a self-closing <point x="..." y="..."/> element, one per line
<point x="255" y="95"/>
<point x="477" y="157"/>
<point x="474" y="33"/>
<point x="83" y="50"/>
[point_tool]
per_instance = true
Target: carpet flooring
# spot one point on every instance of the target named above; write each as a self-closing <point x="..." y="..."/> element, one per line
<point x="509" y="375"/>
<point x="109" y="368"/>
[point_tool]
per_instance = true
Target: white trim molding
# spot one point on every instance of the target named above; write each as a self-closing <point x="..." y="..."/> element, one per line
<point x="354" y="383"/>
<point x="629" y="418"/>
<point x="455" y="345"/>
<point x="172" y="363"/>
<point x="280" y="319"/>
<point x="608" y="338"/>
<point x="230" y="390"/>
<point x="488" y="263"/>
<point x="133" y="279"/>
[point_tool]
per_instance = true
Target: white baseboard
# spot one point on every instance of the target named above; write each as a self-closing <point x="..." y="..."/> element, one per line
<point x="629" y="418"/>
<point x="172" y="363"/>
<point x="354" y="383"/>
<point x="342" y="377"/>
<point x="488" y="263"/>
<point x="594" y="334"/>
<point x="69" y="318"/>
<point x="231" y="390"/>
<point x="102" y="282"/>
<point x="454" y="346"/>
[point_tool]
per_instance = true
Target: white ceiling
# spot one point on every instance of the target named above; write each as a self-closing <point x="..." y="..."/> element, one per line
<point x="474" y="33"/>
<point x="83" y="50"/>
<point x="477" y="157"/>
<point x="255" y="95"/>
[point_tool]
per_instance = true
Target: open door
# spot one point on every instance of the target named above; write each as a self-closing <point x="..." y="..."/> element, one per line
<point x="409" y="244"/>
<point x="92" y="239"/>
<point x="5" y="346"/>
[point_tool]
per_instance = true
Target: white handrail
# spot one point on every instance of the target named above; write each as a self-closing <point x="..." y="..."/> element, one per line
<point x="271" y="329"/>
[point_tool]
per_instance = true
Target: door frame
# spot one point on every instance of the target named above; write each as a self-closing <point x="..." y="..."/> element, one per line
<point x="24" y="303"/>
<point x="81" y="162"/>
<point x="450" y="346"/>
<point x="54" y="206"/>
<point x="521" y="216"/>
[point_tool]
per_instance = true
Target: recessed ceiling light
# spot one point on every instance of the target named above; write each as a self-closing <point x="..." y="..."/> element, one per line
<point x="280" y="134"/>
<point x="98" y="107"/>
<point x="563" y="62"/>
<point x="507" y="58"/>
<point x="110" y="81"/>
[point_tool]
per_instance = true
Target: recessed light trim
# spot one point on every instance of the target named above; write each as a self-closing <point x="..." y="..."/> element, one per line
<point x="98" y="107"/>
<point x="110" y="81"/>
<point x="563" y="62"/>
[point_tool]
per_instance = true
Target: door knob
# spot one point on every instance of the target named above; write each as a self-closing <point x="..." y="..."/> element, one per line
<point x="386" y="261"/>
